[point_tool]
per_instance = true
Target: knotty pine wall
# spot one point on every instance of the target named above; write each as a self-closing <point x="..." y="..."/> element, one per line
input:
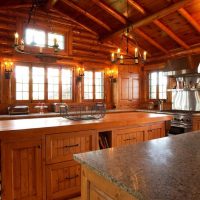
<point x="82" y="46"/>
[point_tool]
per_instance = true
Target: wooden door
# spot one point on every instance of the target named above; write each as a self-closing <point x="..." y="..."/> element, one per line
<point x="128" y="136"/>
<point x="129" y="90"/>
<point x="63" y="180"/>
<point x="22" y="170"/>
<point x="155" y="131"/>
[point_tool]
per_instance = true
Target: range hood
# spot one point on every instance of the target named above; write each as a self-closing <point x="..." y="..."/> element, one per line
<point x="189" y="65"/>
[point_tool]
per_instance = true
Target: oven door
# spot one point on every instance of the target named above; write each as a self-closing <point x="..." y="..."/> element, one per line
<point x="176" y="129"/>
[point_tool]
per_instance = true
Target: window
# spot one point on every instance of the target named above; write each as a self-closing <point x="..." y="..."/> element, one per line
<point x="66" y="84"/>
<point x="35" y="37"/>
<point x="53" y="83"/>
<point x="22" y="82"/>
<point x="157" y="85"/>
<point x="99" y="85"/>
<point x="38" y="83"/>
<point x="93" y="85"/>
<point x="88" y="85"/>
<point x="59" y="38"/>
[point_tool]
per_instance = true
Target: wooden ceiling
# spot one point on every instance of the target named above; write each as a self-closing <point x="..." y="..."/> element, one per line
<point x="160" y="27"/>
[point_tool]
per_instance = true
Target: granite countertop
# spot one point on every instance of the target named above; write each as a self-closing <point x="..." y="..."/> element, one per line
<point x="161" y="169"/>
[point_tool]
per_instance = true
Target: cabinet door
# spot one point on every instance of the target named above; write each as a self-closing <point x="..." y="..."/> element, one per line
<point x="155" y="131"/>
<point x="63" y="180"/>
<point x="22" y="170"/>
<point x="61" y="147"/>
<point x="96" y="194"/>
<point x="128" y="136"/>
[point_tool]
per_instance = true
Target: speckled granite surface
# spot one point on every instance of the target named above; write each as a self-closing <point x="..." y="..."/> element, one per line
<point x="162" y="169"/>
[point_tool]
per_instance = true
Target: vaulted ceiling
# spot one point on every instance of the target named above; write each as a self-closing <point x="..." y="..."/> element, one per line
<point x="160" y="27"/>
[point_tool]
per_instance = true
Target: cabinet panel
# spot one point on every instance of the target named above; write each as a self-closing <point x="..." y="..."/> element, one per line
<point x="129" y="136"/>
<point x="155" y="131"/>
<point x="96" y="194"/>
<point x="61" y="147"/>
<point x="22" y="170"/>
<point x="64" y="180"/>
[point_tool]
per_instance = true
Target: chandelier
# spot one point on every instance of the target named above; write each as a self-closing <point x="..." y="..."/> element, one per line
<point x="139" y="56"/>
<point x="19" y="44"/>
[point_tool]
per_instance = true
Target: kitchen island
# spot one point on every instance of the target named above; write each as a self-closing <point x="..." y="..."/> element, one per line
<point x="161" y="169"/>
<point x="37" y="154"/>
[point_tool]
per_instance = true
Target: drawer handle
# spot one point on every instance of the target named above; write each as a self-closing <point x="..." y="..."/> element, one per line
<point x="69" y="146"/>
<point x="72" y="177"/>
<point x="129" y="139"/>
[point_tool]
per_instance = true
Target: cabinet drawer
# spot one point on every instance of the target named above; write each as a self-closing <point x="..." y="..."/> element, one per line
<point x="155" y="131"/>
<point x="64" y="180"/>
<point x="129" y="136"/>
<point x="61" y="147"/>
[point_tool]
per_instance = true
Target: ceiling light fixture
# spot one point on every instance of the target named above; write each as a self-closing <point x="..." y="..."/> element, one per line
<point x="118" y="57"/>
<point x="19" y="44"/>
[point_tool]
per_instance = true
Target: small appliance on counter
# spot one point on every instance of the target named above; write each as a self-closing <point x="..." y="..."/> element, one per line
<point x="57" y="106"/>
<point x="18" y="110"/>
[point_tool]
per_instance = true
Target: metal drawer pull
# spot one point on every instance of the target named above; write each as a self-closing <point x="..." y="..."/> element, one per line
<point x="73" y="145"/>
<point x="72" y="177"/>
<point x="129" y="139"/>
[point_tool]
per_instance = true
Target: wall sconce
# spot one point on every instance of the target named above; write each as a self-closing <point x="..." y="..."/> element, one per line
<point x="112" y="74"/>
<point x="81" y="71"/>
<point x="8" y="68"/>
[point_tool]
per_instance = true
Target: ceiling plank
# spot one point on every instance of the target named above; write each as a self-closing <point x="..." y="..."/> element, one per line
<point x="150" y="40"/>
<point x="189" y="18"/>
<point x="137" y="6"/>
<point x="50" y="4"/>
<point x="110" y="11"/>
<point x="80" y="24"/>
<point x="163" y="27"/>
<point x="166" y="11"/>
<point x="171" y="34"/>
<point x="87" y="14"/>
<point x="15" y="6"/>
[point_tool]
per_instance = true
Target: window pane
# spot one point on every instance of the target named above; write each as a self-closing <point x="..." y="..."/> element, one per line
<point x="22" y="82"/>
<point x="88" y="85"/>
<point x="38" y="83"/>
<point x="152" y="85"/>
<point x="66" y="84"/>
<point x="162" y="86"/>
<point x="53" y="83"/>
<point x="99" y="85"/>
<point x="58" y="37"/>
<point x="35" y="37"/>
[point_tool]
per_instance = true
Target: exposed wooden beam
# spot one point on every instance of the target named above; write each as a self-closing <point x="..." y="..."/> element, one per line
<point x="171" y="34"/>
<point x="166" y="11"/>
<point x="110" y="10"/>
<point x="80" y="24"/>
<point x="137" y="6"/>
<point x="50" y="4"/>
<point x="163" y="27"/>
<point x="195" y="50"/>
<point x="150" y="40"/>
<point x="189" y="18"/>
<point x="87" y="14"/>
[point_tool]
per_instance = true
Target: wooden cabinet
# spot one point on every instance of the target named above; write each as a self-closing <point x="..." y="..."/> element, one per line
<point x="129" y="90"/>
<point x="62" y="173"/>
<point x="155" y="131"/>
<point x="128" y="136"/>
<point x="22" y="170"/>
<point x="195" y="123"/>
<point x="64" y="179"/>
<point x="61" y="147"/>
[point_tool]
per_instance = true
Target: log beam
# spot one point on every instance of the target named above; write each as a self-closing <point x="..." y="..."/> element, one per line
<point x="166" y="11"/>
<point x="150" y="40"/>
<point x="15" y="6"/>
<point x="87" y="14"/>
<point x="50" y="4"/>
<point x="161" y="26"/>
<point x="189" y="18"/>
<point x="137" y="6"/>
<point x="110" y="11"/>
<point x="194" y="50"/>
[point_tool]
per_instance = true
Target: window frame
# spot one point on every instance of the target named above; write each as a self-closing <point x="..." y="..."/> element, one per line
<point x="157" y="86"/>
<point x="93" y="85"/>
<point x="45" y="66"/>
